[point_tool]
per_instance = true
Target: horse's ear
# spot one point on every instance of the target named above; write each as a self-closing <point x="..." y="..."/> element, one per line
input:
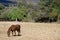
<point x="20" y="25"/>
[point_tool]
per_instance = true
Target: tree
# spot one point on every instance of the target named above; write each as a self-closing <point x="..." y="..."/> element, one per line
<point x="1" y="6"/>
<point x="57" y="6"/>
<point x="16" y="14"/>
<point x="51" y="8"/>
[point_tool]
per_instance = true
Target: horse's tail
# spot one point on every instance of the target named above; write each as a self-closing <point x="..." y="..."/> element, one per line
<point x="19" y="28"/>
<point x="8" y="32"/>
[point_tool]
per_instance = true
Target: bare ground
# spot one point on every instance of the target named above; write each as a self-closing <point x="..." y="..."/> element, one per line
<point x="32" y="31"/>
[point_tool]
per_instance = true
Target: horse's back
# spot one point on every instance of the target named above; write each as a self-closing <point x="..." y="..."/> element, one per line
<point x="15" y="27"/>
<point x="18" y="26"/>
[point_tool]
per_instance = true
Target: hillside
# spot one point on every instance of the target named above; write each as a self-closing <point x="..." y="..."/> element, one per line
<point x="32" y="1"/>
<point x="5" y="2"/>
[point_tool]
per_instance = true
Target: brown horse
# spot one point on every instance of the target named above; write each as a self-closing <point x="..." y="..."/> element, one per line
<point x="14" y="28"/>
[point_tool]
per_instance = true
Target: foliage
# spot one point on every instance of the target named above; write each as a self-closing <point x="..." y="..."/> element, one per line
<point x="16" y="13"/>
<point x="52" y="5"/>
<point x="1" y="6"/>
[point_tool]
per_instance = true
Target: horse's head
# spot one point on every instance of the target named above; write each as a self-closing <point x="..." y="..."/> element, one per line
<point x="8" y="33"/>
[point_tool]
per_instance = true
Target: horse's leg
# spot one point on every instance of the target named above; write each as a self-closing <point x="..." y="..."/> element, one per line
<point x="18" y="33"/>
<point x="15" y="33"/>
<point x="12" y="33"/>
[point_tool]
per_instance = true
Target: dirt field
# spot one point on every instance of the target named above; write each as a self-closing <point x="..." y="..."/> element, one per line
<point x="32" y="31"/>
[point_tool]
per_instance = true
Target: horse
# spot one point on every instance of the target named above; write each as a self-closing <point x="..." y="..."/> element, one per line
<point x="14" y="28"/>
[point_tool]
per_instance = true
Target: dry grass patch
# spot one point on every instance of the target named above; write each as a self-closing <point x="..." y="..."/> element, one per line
<point x="32" y="31"/>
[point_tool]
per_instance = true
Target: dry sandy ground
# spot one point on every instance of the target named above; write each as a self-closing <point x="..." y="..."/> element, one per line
<point x="32" y="31"/>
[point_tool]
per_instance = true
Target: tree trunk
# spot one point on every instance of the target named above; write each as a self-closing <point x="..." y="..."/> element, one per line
<point x="58" y="18"/>
<point x="16" y="19"/>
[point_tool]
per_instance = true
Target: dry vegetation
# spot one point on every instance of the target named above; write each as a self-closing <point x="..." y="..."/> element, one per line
<point x="32" y="31"/>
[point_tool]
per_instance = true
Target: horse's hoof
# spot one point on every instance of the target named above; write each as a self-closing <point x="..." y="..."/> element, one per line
<point x="19" y="35"/>
<point x="14" y="35"/>
<point x="8" y="36"/>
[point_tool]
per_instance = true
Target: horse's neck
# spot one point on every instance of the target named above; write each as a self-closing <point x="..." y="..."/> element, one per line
<point x="9" y="29"/>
